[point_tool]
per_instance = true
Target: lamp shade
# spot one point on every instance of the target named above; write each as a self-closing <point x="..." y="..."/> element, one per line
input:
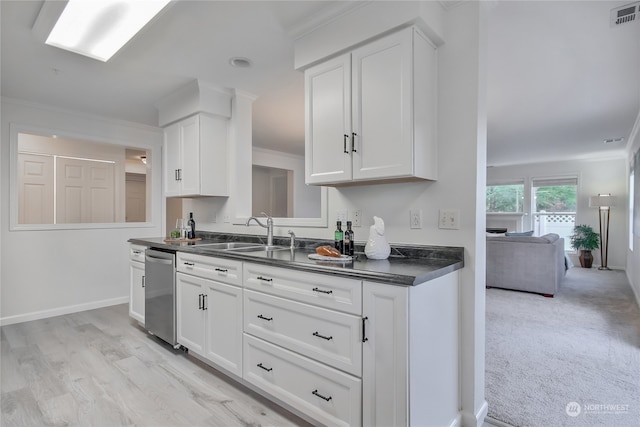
<point x="602" y="201"/>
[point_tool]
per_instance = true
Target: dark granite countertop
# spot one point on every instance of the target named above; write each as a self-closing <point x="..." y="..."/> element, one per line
<point x="407" y="265"/>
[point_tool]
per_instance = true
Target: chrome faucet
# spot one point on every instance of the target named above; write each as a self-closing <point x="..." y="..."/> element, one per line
<point x="292" y="242"/>
<point x="268" y="226"/>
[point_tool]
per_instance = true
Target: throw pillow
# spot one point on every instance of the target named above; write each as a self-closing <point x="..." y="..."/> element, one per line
<point x="521" y="234"/>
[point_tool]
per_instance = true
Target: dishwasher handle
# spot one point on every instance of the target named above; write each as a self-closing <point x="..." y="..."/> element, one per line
<point x="149" y="258"/>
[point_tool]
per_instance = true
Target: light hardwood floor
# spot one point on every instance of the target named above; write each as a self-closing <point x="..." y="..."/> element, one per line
<point x="98" y="368"/>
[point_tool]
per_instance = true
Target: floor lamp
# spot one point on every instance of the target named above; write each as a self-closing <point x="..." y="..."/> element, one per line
<point x="603" y="202"/>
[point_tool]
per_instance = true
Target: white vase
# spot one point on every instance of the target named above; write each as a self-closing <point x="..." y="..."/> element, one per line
<point x="377" y="246"/>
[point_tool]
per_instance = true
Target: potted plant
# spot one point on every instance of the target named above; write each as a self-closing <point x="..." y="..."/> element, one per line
<point x="585" y="240"/>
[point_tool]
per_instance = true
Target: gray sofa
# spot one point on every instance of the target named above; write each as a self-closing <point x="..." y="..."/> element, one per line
<point x="532" y="264"/>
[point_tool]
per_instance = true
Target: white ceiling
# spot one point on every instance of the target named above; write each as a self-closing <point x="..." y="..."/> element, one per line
<point x="560" y="80"/>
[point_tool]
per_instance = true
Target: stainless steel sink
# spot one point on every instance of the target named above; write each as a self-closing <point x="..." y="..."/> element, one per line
<point x="261" y="248"/>
<point x="226" y="245"/>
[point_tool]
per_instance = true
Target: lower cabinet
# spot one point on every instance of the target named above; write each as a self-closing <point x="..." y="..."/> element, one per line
<point x="136" y="282"/>
<point x="209" y="320"/>
<point x="325" y="394"/>
<point x="339" y="351"/>
<point x="384" y="355"/>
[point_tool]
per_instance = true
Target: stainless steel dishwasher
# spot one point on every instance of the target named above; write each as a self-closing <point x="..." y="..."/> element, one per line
<point x="159" y="296"/>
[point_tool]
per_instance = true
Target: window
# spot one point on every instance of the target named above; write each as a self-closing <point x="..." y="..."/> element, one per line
<point x="62" y="182"/>
<point x="554" y="206"/>
<point x="505" y="198"/>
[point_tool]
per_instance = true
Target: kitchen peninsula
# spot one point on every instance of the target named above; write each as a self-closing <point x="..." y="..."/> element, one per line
<point x="372" y="342"/>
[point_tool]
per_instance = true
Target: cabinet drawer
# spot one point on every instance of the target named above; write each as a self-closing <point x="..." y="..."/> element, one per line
<point x="329" y="396"/>
<point x="220" y="269"/>
<point x="323" y="290"/>
<point x="136" y="252"/>
<point x="324" y="335"/>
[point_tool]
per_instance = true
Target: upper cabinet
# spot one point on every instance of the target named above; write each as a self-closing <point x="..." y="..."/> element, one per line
<point x="195" y="157"/>
<point x="371" y="113"/>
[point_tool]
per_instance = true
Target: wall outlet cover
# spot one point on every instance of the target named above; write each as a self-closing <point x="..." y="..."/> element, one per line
<point x="357" y="217"/>
<point x="415" y="218"/>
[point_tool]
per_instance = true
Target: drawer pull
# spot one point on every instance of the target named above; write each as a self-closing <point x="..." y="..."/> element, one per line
<point x="264" y="278"/>
<point x="200" y="301"/>
<point x="221" y="270"/>
<point x="189" y="264"/>
<point x="322" y="291"/>
<point x="268" y="319"/>
<point x="315" y="392"/>
<point x="136" y="252"/>
<point x="364" y="335"/>
<point x="317" y="334"/>
<point x="261" y="366"/>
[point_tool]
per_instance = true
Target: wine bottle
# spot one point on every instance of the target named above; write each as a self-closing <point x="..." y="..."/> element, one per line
<point x="192" y="227"/>
<point x="348" y="240"/>
<point x="338" y="237"/>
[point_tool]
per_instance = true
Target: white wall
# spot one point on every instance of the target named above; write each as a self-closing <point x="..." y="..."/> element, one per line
<point x="594" y="176"/>
<point x="51" y="272"/>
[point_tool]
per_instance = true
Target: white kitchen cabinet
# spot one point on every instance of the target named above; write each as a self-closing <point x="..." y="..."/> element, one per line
<point x="136" y="282"/>
<point x="370" y="113"/>
<point x="384" y="355"/>
<point x="195" y="157"/>
<point x="209" y="316"/>
<point x="410" y="353"/>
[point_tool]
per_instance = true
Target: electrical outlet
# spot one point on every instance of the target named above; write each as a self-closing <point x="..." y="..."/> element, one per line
<point x="341" y="216"/>
<point x="415" y="218"/>
<point x="449" y="219"/>
<point x="226" y="218"/>
<point x="357" y="218"/>
<point x="214" y="218"/>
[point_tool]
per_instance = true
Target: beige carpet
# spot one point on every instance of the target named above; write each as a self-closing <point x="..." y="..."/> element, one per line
<point x="571" y="360"/>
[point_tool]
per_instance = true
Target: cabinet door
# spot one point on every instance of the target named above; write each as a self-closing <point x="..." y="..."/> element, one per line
<point x="190" y="173"/>
<point x="172" y="160"/>
<point x="223" y="308"/>
<point x="136" y="290"/>
<point x="383" y="108"/>
<point x="328" y="121"/>
<point x="384" y="355"/>
<point x="189" y="313"/>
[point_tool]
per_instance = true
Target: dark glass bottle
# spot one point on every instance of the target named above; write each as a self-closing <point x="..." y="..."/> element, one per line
<point x="191" y="233"/>
<point x="338" y="237"/>
<point x="348" y="240"/>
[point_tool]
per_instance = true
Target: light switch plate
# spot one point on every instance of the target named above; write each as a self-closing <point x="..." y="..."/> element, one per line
<point x="449" y="219"/>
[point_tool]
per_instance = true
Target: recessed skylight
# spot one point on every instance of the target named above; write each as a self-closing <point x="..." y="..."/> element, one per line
<point x="99" y="28"/>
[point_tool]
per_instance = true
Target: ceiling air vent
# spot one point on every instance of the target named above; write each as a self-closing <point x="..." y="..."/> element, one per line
<point x="625" y="14"/>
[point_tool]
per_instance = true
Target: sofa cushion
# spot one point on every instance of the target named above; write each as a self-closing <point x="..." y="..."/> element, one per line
<point x="523" y="233"/>
<point x="547" y="238"/>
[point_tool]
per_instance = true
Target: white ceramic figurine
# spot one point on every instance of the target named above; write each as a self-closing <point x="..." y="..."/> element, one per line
<point x="377" y="246"/>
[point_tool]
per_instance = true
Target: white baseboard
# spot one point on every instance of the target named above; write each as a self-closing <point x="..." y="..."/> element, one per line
<point x="36" y="315"/>
<point x="477" y="419"/>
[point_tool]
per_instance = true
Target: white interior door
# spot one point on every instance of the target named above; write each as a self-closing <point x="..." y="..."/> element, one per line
<point x="136" y="202"/>
<point x="35" y="193"/>
<point x="85" y="191"/>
